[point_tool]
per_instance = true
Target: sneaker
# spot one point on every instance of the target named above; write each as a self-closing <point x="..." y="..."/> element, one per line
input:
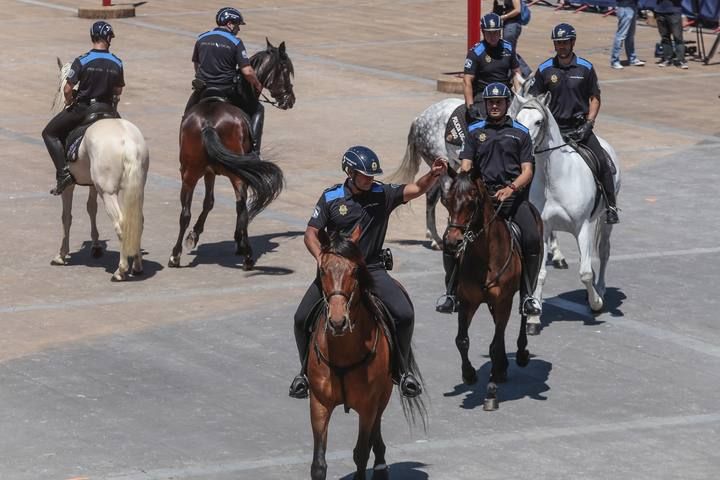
<point x="683" y="65"/>
<point x="637" y="63"/>
<point x="616" y="65"/>
<point x="665" y="63"/>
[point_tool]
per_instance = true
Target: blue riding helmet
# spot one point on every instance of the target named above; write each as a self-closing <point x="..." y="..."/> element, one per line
<point x="496" y="90"/>
<point x="361" y="159"/>
<point x="563" y="31"/>
<point x="491" y="22"/>
<point x="101" y="30"/>
<point x="229" y="14"/>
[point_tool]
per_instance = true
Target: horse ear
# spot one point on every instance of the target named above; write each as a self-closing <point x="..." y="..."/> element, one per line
<point x="59" y="62"/>
<point x="355" y="235"/>
<point x="269" y="45"/>
<point x="282" y="48"/>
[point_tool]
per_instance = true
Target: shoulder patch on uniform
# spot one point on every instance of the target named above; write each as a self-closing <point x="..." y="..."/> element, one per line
<point x="520" y="126"/>
<point x="117" y="58"/>
<point x="377" y="187"/>
<point x="222" y="33"/>
<point x="476" y="125"/>
<point x="584" y="63"/>
<point x="99" y="55"/>
<point x="335" y="192"/>
<point x="507" y="45"/>
<point x="479" y="48"/>
<point x="546" y="64"/>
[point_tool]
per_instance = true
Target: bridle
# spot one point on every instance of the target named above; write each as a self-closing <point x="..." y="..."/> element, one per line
<point x="267" y="79"/>
<point x="533" y="104"/>
<point x="348" y="304"/>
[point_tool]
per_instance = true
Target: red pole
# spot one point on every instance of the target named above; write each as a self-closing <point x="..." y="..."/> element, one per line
<point x="107" y="3"/>
<point x="473" y="26"/>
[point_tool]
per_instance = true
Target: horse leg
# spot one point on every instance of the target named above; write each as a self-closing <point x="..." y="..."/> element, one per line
<point x="585" y="240"/>
<point x="319" y="419"/>
<point x="431" y="200"/>
<point x="241" y="226"/>
<point x="380" y="467"/>
<point x="186" y="194"/>
<point x="66" y="217"/>
<point x="604" y="253"/>
<point x="501" y="314"/>
<point x="96" y="249"/>
<point x="558" y="259"/>
<point x="361" y="453"/>
<point x="462" y="340"/>
<point x="533" y="321"/>
<point x="112" y="207"/>
<point x="194" y="236"/>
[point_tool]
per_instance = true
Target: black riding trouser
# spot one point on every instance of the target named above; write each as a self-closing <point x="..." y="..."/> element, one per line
<point x="605" y="167"/>
<point x="386" y="289"/>
<point x="58" y="129"/>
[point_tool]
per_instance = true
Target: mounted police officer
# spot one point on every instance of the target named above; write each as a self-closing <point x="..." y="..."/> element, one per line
<point x="217" y="57"/>
<point x="491" y="60"/>
<point x="499" y="150"/>
<point x="362" y="201"/>
<point x="100" y="80"/>
<point x="575" y="103"/>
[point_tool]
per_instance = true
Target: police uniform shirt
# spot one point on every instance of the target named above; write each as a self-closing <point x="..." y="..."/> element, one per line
<point x="571" y="87"/>
<point x="98" y="73"/>
<point x="498" y="151"/>
<point x="490" y="64"/>
<point x="217" y="54"/>
<point x="339" y="211"/>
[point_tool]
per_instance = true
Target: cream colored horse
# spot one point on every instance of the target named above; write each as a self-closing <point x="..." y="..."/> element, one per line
<point x="113" y="161"/>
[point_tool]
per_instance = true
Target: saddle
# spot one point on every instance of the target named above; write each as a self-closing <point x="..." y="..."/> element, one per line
<point x="96" y="111"/>
<point x="593" y="163"/>
<point x="456" y="128"/>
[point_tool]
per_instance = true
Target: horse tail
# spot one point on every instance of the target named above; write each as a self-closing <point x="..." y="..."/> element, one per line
<point x="414" y="409"/>
<point x="410" y="162"/>
<point x="265" y="179"/>
<point x="132" y="195"/>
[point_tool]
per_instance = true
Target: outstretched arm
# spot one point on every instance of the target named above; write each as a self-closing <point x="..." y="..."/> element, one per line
<point x="423" y="184"/>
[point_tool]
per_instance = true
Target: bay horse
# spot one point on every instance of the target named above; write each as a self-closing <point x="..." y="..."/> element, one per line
<point x="490" y="271"/>
<point x="564" y="191"/>
<point x="215" y="140"/>
<point x="112" y="160"/>
<point x="349" y="362"/>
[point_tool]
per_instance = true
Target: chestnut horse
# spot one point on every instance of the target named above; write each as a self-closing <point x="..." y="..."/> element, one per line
<point x="490" y="271"/>
<point x="349" y="362"/>
<point x="215" y="140"/>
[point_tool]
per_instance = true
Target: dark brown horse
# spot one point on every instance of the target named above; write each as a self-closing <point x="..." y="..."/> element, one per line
<point x="349" y="362"/>
<point x="490" y="272"/>
<point x="215" y="140"/>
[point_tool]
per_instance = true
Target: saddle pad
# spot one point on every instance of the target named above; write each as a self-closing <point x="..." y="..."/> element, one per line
<point x="592" y="162"/>
<point x="456" y="128"/>
<point x="74" y="138"/>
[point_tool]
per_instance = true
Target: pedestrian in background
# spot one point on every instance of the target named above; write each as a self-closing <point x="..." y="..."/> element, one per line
<point x="509" y="13"/>
<point x="626" y="12"/>
<point x="669" y="22"/>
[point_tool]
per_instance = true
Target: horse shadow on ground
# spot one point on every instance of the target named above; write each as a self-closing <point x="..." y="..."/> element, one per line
<point x="109" y="261"/>
<point x="614" y="298"/>
<point x="398" y="471"/>
<point x="223" y="253"/>
<point x="530" y="381"/>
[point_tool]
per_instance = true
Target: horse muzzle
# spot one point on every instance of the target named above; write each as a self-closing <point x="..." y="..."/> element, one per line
<point x="287" y="101"/>
<point x="338" y="328"/>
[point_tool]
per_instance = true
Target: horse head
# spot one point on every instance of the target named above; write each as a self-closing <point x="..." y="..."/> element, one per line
<point x="63" y="71"/>
<point x="533" y="112"/>
<point x="343" y="277"/>
<point x="466" y="203"/>
<point x="275" y="71"/>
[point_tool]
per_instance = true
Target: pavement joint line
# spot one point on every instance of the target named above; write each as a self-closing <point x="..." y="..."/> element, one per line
<point x="462" y="442"/>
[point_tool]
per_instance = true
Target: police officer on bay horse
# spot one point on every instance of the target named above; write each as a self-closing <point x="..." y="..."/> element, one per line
<point x="100" y="80"/>
<point x="575" y="103"/>
<point x="500" y="151"/>
<point x="362" y="201"/>
<point x="217" y="57"/>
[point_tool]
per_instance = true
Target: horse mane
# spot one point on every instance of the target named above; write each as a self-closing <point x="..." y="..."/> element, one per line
<point x="261" y="60"/>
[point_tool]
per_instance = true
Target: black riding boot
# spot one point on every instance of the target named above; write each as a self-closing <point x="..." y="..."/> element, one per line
<point x="256" y="127"/>
<point x="300" y="387"/>
<point x="62" y="172"/>
<point x="608" y="184"/>
<point x="529" y="305"/>
<point x="409" y="385"/>
<point x="450" y="303"/>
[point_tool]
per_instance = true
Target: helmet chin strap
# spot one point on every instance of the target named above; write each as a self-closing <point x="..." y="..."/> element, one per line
<point x="352" y="182"/>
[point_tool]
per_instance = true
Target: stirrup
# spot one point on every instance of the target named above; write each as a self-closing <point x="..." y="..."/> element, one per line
<point x="300" y="387"/>
<point x="409" y="386"/>
<point x="448" y="305"/>
<point x="530" y="306"/>
<point x="64" y="181"/>
<point x="611" y="215"/>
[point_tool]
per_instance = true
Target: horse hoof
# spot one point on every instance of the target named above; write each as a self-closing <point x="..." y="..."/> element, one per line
<point x="249" y="264"/>
<point x="490" y="404"/>
<point x="522" y="358"/>
<point x="470" y="377"/>
<point x="96" y="252"/>
<point x="174" y="262"/>
<point x="191" y="241"/>
<point x="434" y="246"/>
<point x="597" y="307"/>
<point x="118" y="277"/>
<point x="532" y="329"/>
<point x="560" y="264"/>
<point x="59" y="260"/>
<point x="381" y="472"/>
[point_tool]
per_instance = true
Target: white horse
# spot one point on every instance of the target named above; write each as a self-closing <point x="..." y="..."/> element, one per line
<point x="563" y="190"/>
<point x="113" y="161"/>
<point x="426" y="141"/>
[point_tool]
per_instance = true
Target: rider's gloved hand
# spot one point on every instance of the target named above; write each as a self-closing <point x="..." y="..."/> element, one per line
<point x="583" y="131"/>
<point x="473" y="113"/>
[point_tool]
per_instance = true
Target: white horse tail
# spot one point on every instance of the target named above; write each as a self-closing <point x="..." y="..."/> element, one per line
<point x="135" y="166"/>
<point x="410" y="162"/>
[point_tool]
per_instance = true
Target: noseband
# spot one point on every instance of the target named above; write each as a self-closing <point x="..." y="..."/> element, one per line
<point x="348" y="303"/>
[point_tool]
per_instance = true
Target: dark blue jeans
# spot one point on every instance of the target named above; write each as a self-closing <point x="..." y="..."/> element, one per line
<point x="670" y="24"/>
<point x="511" y="33"/>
